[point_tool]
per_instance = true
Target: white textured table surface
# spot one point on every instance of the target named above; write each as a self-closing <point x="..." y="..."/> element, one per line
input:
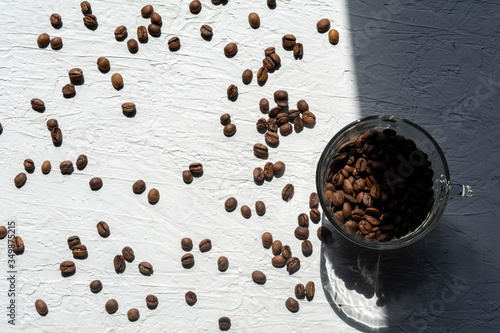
<point x="435" y="64"/>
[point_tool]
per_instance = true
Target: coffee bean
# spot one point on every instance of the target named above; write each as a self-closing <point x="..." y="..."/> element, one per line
<point x="268" y="171"/>
<point x="56" y="20"/>
<point x="232" y="92"/>
<point x="128" y="254"/>
<point x="3" y="232"/>
<point x="309" y="118"/>
<point x="313" y="200"/>
<point x="229" y="130"/>
<point x="187" y="176"/>
<point x="310" y="289"/>
<point x="278" y="261"/>
<point x="225" y="119"/>
<point x="264" y="105"/>
<point x="267" y="240"/>
<point x="271" y="125"/>
<point x="276" y="247"/>
<point x="224" y="322"/>
<point x="41" y="307"/>
<point x="247" y="76"/>
<point x="67" y="268"/>
<point x="117" y="81"/>
<point x="286" y="129"/>
<point x="272" y="139"/>
<point x="246" y="212"/>
<point x="151" y="302"/>
<point x="38" y="105"/>
<point x="196" y="169"/>
<point x="95" y="286"/>
<point x="111" y="306"/>
<point x="56" y="43"/>
<point x="361" y="165"/>
<point x="205" y="245"/>
<point x="323" y="25"/>
<point x="286" y="252"/>
<point x="206" y="32"/>
<point x="17" y="244"/>
<point x="307" y="248"/>
<point x="298" y="51"/>
<point x="195" y="7"/>
<point x="81" y="162"/>
<point x="142" y="34"/>
<point x="174" y="44"/>
<point x="52" y="123"/>
<point x="132" y="46"/>
<point x="129" y="109"/>
<point x="301" y="233"/>
<point x="302" y="106"/>
<point x="73" y="241"/>
<point x="260" y="208"/>
<point x="276" y="59"/>
<point x="56" y="135"/>
<point x="187" y="260"/>
<point x="103" y="64"/>
<point x="271" y="4"/>
<point x="269" y="51"/>
<point x="86" y="7"/>
<point x="155" y="18"/>
<point x="324" y="234"/>
<point x="43" y="40"/>
<point x="261" y="125"/>
<point x="258" y="175"/>
<point x="133" y="314"/>
<point x="262" y="74"/>
<point x="292" y="305"/>
<point x="139" y="186"/>
<point x="230" y="204"/>
<point x="260" y="151"/>
<point x="119" y="263"/>
<point x="258" y="277"/>
<point x="279" y="168"/>
<point x="333" y="37"/>
<point x="292" y="265"/>
<point x="281" y="98"/>
<point x="300" y="291"/>
<point x="121" y="33"/>
<point x="303" y="220"/>
<point x="68" y="90"/>
<point x="269" y="64"/>
<point x="103" y="229"/>
<point x="287" y="192"/>
<point x="190" y="298"/>
<point x="66" y="167"/>
<point x="230" y="50"/>
<point x="254" y="20"/>
<point x="145" y="268"/>
<point x="95" y="184"/>
<point x="222" y="263"/>
<point x="154" y="30"/>
<point x="29" y="165"/>
<point x="90" y="21"/>
<point x="153" y="196"/>
<point x="146" y="11"/>
<point x="79" y="251"/>
<point x="288" y="42"/>
<point x="20" y="180"/>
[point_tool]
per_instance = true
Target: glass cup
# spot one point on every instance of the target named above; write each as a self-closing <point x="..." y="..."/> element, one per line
<point x="443" y="189"/>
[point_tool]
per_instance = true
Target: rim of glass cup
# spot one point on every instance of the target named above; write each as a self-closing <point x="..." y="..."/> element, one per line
<point x="415" y="235"/>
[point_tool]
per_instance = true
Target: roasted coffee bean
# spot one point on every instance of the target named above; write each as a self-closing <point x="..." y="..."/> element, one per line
<point x="111" y="306"/>
<point x="276" y="247"/>
<point x="3" y="232"/>
<point x="132" y="46"/>
<point x="324" y="234"/>
<point x="95" y="184"/>
<point x="57" y="137"/>
<point x="272" y="139"/>
<point x="286" y="252"/>
<point x="133" y="314"/>
<point x="298" y="51"/>
<point x="313" y="200"/>
<point x="303" y="220"/>
<point x="269" y="64"/>
<point x="90" y="21"/>
<point x="117" y="81"/>
<point x="174" y="44"/>
<point x="29" y="165"/>
<point x="307" y="248"/>
<point x="190" y="298"/>
<point x="41" y="307"/>
<point x="246" y="212"/>
<point x="267" y="240"/>
<point x="222" y="264"/>
<point x="281" y="119"/>
<point x="121" y="33"/>
<point x="155" y="18"/>
<point x="287" y="192"/>
<point x="261" y="125"/>
<point x="151" y="302"/>
<point x="129" y="109"/>
<point x="79" y="251"/>
<point x="43" y="40"/>
<point x="103" y="64"/>
<point x="271" y="125"/>
<point x="315" y="215"/>
<point x="66" y="167"/>
<point x="224" y="322"/>
<point x="292" y="305"/>
<point x="292" y="265"/>
<point x="46" y="167"/>
<point x="232" y="92"/>
<point x="52" y="123"/>
<point x="323" y="25"/>
<point x="276" y="59"/>
<point x="68" y="90"/>
<point x="281" y="98"/>
<point x="258" y="175"/>
<point x="146" y="11"/>
<point x="230" y="204"/>
<point x="268" y="171"/>
<point x="286" y="129"/>
<point x="67" y="268"/>
<point x="292" y="115"/>
<point x="38" y="105"/>
<point x="103" y="229"/>
<point x="56" y="43"/>
<point x="56" y="20"/>
<point x="154" y="30"/>
<point x="310" y="290"/>
<point x="187" y="260"/>
<point x="145" y="268"/>
<point x="278" y="261"/>
<point x="260" y="208"/>
<point x="274" y="112"/>
<point x="153" y="196"/>
<point x="258" y="277"/>
<point x="205" y="245"/>
<point x="230" y="50"/>
<point x="301" y="233"/>
<point x="333" y="37"/>
<point x="187" y="176"/>
<point x="225" y="119"/>
<point x="81" y="162"/>
<point x="73" y="241"/>
<point x="229" y="130"/>
<point x="279" y="168"/>
<point x="365" y="227"/>
<point x="308" y="118"/>
<point x="206" y="32"/>
<point x="361" y="165"/>
<point x="86" y="7"/>
<point x="288" y="42"/>
<point x="300" y="291"/>
<point x="17" y="244"/>
<point x="142" y="34"/>
<point x="302" y="106"/>
<point x="247" y="76"/>
<point x="139" y="186"/>
<point x="196" y="168"/>
<point x="95" y="286"/>
<point x="254" y="20"/>
<point x="269" y="51"/>
<point x="128" y="254"/>
<point x="195" y="7"/>
<point x="262" y="74"/>
<point x="119" y="263"/>
<point x="271" y="4"/>
<point x="260" y="151"/>
<point x="187" y="244"/>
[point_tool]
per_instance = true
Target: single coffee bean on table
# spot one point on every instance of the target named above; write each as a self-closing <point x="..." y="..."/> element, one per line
<point x="286" y="129"/>
<point x="186" y="244"/>
<point x="52" y="123"/>
<point x="230" y="50"/>
<point x="151" y="302"/>
<point x="310" y="290"/>
<point x="303" y="220"/>
<point x="264" y="105"/>
<point x="43" y="40"/>
<point x="300" y="291"/>
<point x="307" y="248"/>
<point x="271" y="4"/>
<point x="261" y="125"/>
<point x="133" y="314"/>
<point x="232" y="92"/>
<point x="128" y="254"/>
<point x="269" y="64"/>
<point x="132" y="46"/>
<point x="323" y="25"/>
<point x="288" y="42"/>
<point x="315" y="215"/>
<point x="254" y="20"/>
<point x="298" y="51"/>
<point x="66" y="167"/>
<point x="95" y="286"/>
<point x="153" y="196"/>
<point x="90" y="21"/>
<point x="258" y="175"/>
<point x="333" y="36"/>
<point x="286" y="252"/>
<point x="268" y="171"/>
<point x="67" y="268"/>
<point x="81" y="162"/>
<point x="262" y="75"/>
<point x="76" y="76"/>
<point x="196" y="169"/>
<point x="57" y="137"/>
<point x="272" y="138"/>
<point x="309" y="118"/>
<point x="155" y="18"/>
<point x="229" y="130"/>
<point x="145" y="268"/>
<point x="41" y="307"/>
<point x="292" y="305"/>
<point x="95" y="184"/>
<point x="298" y="124"/>
<point x="302" y="106"/>
<point x="313" y="200"/>
<point x="187" y="260"/>
<point x="38" y="105"/>
<point x="3" y="232"/>
<point x="79" y="251"/>
<point x="230" y="204"/>
<point x="73" y="241"/>
<point x="287" y="192"/>
<point x="206" y="32"/>
<point x="119" y="264"/>
<point x="56" y="20"/>
<point x="56" y="43"/>
<point x="278" y="261"/>
<point x="246" y="212"/>
<point x="276" y="247"/>
<point x="103" y="229"/>
<point x="222" y="263"/>
<point x="301" y="233"/>
<point x="69" y="91"/>
<point x="267" y="239"/>
<point x="174" y="44"/>
<point x="154" y="30"/>
<point x="117" y="81"/>
<point x="103" y="64"/>
<point x="190" y="298"/>
<point x="224" y="322"/>
<point x="146" y="11"/>
<point x="187" y="176"/>
<point x="260" y="151"/>
<point x="129" y="109"/>
<point x="86" y="7"/>
<point x="260" y="208"/>
<point x="225" y="119"/>
<point x="139" y="186"/>
<point x="247" y="76"/>
<point x="292" y="265"/>
<point x="20" y="180"/>
<point x="142" y="34"/>
<point x="258" y="277"/>
<point x="195" y="7"/>
<point x="17" y="244"/>
<point x="29" y="165"/>
<point x="205" y="245"/>
<point x="278" y="169"/>
<point x="111" y="306"/>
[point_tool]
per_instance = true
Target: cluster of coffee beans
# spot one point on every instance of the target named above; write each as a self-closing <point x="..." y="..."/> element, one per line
<point x="195" y="170"/>
<point x="380" y="186"/>
<point x="231" y="204"/>
<point x="44" y="39"/>
<point x="187" y="260"/>
<point x="323" y="26"/>
<point x="89" y="20"/>
<point x="269" y="171"/>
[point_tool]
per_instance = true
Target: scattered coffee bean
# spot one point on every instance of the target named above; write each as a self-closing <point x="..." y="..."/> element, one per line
<point x="154" y="30"/>
<point x="292" y="265"/>
<point x="230" y="50"/>
<point x="139" y="186"/>
<point x="278" y="261"/>
<point x="79" y="251"/>
<point x="145" y="268"/>
<point x="323" y="25"/>
<point x="324" y="234"/>
<point x="260" y="151"/>
<point x="281" y="98"/>
<point x="276" y="247"/>
<point x="313" y="200"/>
<point x="56" y="20"/>
<point x="29" y="165"/>
<point x="288" y="42"/>
<point x="43" y="40"/>
<point x="279" y="168"/>
<point x="303" y="220"/>
<point x="232" y="92"/>
<point x="117" y="81"/>
<point x="3" y="232"/>
<point x="315" y="215"/>
<point x="196" y="169"/>
<point x="66" y="167"/>
<point x="174" y="44"/>
<point x="260" y="208"/>
<point x="264" y="105"/>
<point x="111" y="306"/>
<point x="103" y="229"/>
<point x="103" y="64"/>
<point x="269" y="64"/>
<point x="155" y="18"/>
<point x="121" y="33"/>
<point x="301" y="233"/>
<point x="302" y="106"/>
<point x="267" y="240"/>
<point x="95" y="184"/>
<point x="229" y="130"/>
<point x="146" y="11"/>
<point x="67" y="268"/>
<point x="187" y="244"/>
<point x="286" y="129"/>
<point x="17" y="244"/>
<point x="132" y="46"/>
<point x="129" y="110"/>
<point x="151" y="302"/>
<point x="41" y="307"/>
<point x="261" y="125"/>
<point x="52" y="123"/>
<point x="133" y="314"/>
<point x="298" y="51"/>
<point x="187" y="176"/>
<point x="254" y="20"/>
<point x="20" y="180"/>
<point x="76" y="76"/>
<point x="286" y="252"/>
<point x="230" y="204"/>
<point x="187" y="260"/>
<point x="272" y="138"/>
<point x="206" y="32"/>
<point x="86" y="7"/>
<point x="153" y="196"/>
<point x="128" y="253"/>
<point x="292" y="305"/>
<point x="190" y="298"/>
<point x="271" y="4"/>
<point x="56" y="43"/>
<point x="310" y="289"/>
<point x="262" y="74"/>
<point x="95" y="286"/>
<point x="247" y="76"/>
<point x="225" y="119"/>
<point x="90" y="21"/>
<point x="142" y="34"/>
<point x="246" y="212"/>
<point x="307" y="248"/>
<point x="258" y="277"/>
<point x="222" y="263"/>
<point x="268" y="171"/>
<point x="333" y="37"/>
<point x="224" y="322"/>
<point x="73" y="241"/>
<point x="300" y="291"/>
<point x="258" y="175"/>
<point x="287" y="192"/>
<point x="119" y="263"/>
<point x="57" y="137"/>
<point x="205" y="245"/>
<point x="68" y="90"/>
<point x="195" y="7"/>
<point x="38" y="105"/>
